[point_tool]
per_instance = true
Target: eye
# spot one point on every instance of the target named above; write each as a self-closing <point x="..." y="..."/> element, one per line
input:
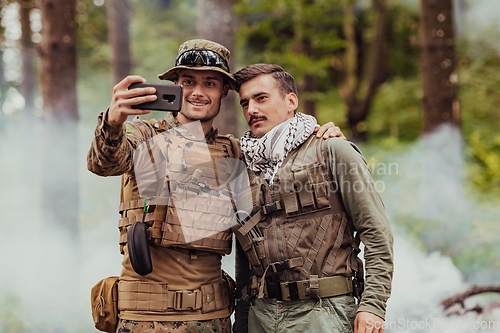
<point x="244" y="105"/>
<point x="261" y="98"/>
<point x="186" y="82"/>
<point x="210" y="84"/>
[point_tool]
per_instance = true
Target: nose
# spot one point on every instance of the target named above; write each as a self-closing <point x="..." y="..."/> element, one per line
<point x="252" y="108"/>
<point x="197" y="90"/>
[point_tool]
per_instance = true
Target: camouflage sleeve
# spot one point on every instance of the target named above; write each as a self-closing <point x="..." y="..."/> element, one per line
<point x="111" y="152"/>
<point x="363" y="203"/>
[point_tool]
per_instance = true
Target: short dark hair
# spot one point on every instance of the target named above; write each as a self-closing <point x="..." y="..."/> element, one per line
<point x="286" y="82"/>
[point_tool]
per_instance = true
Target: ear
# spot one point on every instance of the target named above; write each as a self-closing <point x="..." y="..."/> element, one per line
<point x="225" y="91"/>
<point x="292" y="102"/>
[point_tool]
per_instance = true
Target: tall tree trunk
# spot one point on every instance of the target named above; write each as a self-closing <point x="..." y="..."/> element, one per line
<point x="359" y="86"/>
<point x="119" y="13"/>
<point x="57" y="51"/>
<point x="443" y="190"/>
<point x="217" y="22"/>
<point x="59" y="159"/>
<point x="438" y="64"/>
<point x="28" y="56"/>
<point x="308" y="85"/>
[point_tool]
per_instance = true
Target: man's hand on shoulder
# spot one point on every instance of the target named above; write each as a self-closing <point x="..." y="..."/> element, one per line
<point x="367" y="322"/>
<point x="329" y="130"/>
<point x="123" y="99"/>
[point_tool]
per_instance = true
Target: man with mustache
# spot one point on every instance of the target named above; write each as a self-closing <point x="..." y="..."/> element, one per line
<point x="313" y="202"/>
<point x="186" y="290"/>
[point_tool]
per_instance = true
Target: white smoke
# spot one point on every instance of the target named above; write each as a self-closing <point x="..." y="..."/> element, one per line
<point x="427" y="189"/>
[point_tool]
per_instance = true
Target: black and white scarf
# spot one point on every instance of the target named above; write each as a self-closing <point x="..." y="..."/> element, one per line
<point x="266" y="154"/>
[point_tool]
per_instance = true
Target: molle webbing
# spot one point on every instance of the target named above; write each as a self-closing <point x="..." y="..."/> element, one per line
<point x="328" y="266"/>
<point x="181" y="231"/>
<point x="155" y="297"/>
<point x="318" y="242"/>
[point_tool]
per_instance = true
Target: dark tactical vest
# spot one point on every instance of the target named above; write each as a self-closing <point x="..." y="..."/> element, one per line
<point x="178" y="189"/>
<point x="299" y="227"/>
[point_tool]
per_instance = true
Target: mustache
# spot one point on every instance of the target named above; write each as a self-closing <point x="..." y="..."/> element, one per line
<point x="252" y="118"/>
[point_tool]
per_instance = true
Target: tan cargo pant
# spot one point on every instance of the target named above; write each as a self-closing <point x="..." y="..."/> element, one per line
<point x="333" y="314"/>
<point x="221" y="325"/>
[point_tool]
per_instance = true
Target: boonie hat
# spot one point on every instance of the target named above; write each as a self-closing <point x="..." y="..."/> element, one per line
<point x="201" y="54"/>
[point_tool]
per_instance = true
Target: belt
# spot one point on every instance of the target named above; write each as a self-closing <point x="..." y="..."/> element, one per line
<point x="155" y="296"/>
<point x="309" y="289"/>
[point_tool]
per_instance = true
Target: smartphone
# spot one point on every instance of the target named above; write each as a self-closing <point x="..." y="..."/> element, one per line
<point x="169" y="97"/>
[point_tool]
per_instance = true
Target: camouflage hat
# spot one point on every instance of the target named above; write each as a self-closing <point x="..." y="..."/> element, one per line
<point x="201" y="54"/>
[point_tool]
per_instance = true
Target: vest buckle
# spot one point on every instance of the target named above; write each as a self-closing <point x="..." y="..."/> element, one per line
<point x="271" y="208"/>
<point x="280" y="266"/>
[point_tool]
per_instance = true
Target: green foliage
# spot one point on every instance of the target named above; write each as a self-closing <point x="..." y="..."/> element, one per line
<point x="301" y="36"/>
<point x="481" y="247"/>
<point x="397" y="111"/>
<point x="479" y="79"/>
<point x="94" y="53"/>
<point x="156" y="33"/>
<point x="402" y="41"/>
<point x="330" y="107"/>
<point x="10" y="316"/>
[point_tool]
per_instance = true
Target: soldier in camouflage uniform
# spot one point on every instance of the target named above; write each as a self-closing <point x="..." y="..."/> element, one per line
<point x="202" y="69"/>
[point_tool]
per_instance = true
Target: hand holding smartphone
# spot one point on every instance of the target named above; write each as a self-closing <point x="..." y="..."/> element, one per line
<point x="168" y="97"/>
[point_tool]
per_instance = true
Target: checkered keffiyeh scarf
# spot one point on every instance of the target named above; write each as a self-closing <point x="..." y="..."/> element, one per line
<point x="266" y="154"/>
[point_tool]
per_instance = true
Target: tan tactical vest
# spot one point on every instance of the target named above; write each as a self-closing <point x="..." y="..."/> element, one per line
<point x="299" y="227"/>
<point x="178" y="189"/>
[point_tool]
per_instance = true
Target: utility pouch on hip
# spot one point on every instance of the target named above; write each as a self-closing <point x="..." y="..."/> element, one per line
<point x="104" y="301"/>
<point x="138" y="249"/>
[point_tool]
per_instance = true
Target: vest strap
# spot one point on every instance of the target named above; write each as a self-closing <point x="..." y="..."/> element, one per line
<point x="252" y="222"/>
<point x="313" y="289"/>
<point x="280" y="266"/>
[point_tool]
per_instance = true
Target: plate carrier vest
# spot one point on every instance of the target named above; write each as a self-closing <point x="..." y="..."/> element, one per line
<point x="191" y="178"/>
<point x="299" y="230"/>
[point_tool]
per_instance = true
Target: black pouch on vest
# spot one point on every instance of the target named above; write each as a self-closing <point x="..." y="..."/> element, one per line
<point x="138" y="249"/>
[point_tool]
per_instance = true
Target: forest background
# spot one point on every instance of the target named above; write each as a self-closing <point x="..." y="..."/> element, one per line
<point x="413" y="83"/>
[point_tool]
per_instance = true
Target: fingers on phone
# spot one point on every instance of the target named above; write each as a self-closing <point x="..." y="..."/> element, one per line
<point x="142" y="99"/>
<point x="141" y="92"/>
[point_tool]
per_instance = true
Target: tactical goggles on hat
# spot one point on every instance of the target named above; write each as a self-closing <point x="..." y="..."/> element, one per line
<point x="201" y="57"/>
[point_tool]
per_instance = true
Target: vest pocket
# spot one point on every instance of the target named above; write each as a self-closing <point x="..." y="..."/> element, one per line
<point x="321" y="193"/>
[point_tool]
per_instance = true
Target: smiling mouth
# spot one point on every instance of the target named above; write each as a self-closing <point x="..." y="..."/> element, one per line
<point x="197" y="103"/>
